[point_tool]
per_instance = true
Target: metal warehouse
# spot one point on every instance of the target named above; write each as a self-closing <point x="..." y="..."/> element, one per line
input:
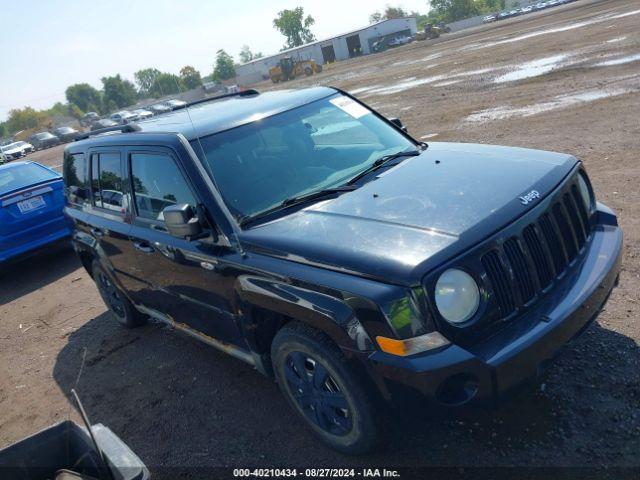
<point x="340" y="47"/>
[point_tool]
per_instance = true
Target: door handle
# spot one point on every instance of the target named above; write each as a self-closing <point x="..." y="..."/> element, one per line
<point x="143" y="247"/>
<point x="97" y="232"/>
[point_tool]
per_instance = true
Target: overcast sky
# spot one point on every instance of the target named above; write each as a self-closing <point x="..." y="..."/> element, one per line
<point x="48" y="45"/>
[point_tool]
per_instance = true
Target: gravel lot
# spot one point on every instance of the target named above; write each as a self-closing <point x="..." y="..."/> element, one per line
<point x="567" y="80"/>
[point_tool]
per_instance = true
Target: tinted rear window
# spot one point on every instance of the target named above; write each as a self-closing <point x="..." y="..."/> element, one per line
<point x="16" y="177"/>
<point x="76" y="178"/>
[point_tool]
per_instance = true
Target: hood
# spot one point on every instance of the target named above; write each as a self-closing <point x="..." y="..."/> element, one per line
<point x="412" y="217"/>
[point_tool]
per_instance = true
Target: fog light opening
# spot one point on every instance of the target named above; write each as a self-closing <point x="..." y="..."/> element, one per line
<point x="458" y="389"/>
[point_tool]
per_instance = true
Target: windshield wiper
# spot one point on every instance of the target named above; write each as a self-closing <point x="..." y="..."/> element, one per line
<point x="291" y="201"/>
<point x="380" y="162"/>
<point x="287" y="202"/>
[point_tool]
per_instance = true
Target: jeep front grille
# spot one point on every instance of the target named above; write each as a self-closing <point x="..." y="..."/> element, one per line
<point x="526" y="264"/>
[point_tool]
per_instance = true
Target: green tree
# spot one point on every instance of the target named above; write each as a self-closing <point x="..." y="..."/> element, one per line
<point x="223" y="69"/>
<point x="24" y="118"/>
<point x="394" y="12"/>
<point x="165" y="84"/>
<point x="421" y="19"/>
<point x="145" y="78"/>
<point x="4" y="131"/>
<point x="246" y="55"/>
<point x="295" y="26"/>
<point x="84" y="96"/>
<point x="75" y="111"/>
<point x="118" y="92"/>
<point x="389" y="13"/>
<point x="375" y="17"/>
<point x="452" y="10"/>
<point x="190" y="77"/>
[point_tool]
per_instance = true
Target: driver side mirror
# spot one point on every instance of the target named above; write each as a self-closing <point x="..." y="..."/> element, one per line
<point x="398" y="123"/>
<point x="181" y="221"/>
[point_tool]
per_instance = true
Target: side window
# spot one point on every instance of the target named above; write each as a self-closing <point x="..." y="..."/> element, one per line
<point x="76" y="178"/>
<point x="157" y="183"/>
<point x="106" y="181"/>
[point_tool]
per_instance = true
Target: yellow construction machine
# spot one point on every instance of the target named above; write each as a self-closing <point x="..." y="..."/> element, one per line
<point x="289" y="68"/>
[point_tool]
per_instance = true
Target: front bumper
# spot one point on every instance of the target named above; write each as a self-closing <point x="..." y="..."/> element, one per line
<point x="494" y="367"/>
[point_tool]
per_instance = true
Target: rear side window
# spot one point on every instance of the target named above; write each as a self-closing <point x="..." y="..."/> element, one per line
<point x="76" y="178"/>
<point x="157" y="183"/>
<point x="107" y="181"/>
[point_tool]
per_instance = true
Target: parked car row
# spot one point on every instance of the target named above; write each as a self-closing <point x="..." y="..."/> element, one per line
<point x="123" y="117"/>
<point x="37" y="141"/>
<point x="523" y="10"/>
<point x="15" y="150"/>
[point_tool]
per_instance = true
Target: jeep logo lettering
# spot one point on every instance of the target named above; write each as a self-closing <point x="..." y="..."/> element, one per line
<point x="529" y="197"/>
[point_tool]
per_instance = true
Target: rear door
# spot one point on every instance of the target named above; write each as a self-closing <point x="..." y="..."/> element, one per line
<point x="109" y="223"/>
<point x="179" y="278"/>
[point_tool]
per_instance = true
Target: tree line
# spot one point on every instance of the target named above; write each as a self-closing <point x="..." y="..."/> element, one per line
<point x="118" y="92"/>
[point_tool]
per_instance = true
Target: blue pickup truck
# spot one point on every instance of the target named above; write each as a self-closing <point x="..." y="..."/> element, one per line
<point x="31" y="202"/>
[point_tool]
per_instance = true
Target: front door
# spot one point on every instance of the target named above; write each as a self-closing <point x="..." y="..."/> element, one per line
<point x="178" y="278"/>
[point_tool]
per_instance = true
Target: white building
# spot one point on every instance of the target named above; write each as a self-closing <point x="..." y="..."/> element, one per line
<point x="340" y="47"/>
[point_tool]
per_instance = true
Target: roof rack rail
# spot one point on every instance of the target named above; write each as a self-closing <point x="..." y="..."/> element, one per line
<point x="243" y="93"/>
<point x="128" y="128"/>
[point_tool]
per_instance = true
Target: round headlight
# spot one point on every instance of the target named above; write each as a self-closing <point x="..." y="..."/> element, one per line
<point x="585" y="193"/>
<point x="457" y="296"/>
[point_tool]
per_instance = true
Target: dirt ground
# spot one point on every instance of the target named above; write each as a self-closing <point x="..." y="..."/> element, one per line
<point x="567" y="80"/>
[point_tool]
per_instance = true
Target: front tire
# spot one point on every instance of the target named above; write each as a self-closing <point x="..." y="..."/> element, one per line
<point x="117" y="303"/>
<point x="314" y="377"/>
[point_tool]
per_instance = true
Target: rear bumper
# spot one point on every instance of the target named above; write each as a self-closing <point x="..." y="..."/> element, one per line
<point x="489" y="371"/>
<point x="52" y="232"/>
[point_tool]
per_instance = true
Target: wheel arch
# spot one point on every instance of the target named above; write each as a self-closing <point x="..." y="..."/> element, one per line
<point x="267" y="305"/>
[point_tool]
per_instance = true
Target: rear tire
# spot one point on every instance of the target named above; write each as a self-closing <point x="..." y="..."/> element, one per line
<point x="314" y="377"/>
<point x="117" y="303"/>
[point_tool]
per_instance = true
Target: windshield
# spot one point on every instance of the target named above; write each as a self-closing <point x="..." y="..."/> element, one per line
<point x="42" y="136"/>
<point x="6" y="148"/>
<point x="20" y="176"/>
<point x="317" y="146"/>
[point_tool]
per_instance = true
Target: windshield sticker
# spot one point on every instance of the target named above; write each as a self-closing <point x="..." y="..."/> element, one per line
<point x="349" y="106"/>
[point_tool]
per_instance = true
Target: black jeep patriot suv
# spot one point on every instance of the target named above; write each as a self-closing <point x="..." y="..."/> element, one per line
<point x="306" y="234"/>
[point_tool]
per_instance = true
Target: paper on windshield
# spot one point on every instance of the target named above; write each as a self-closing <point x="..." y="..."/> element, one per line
<point x="351" y="107"/>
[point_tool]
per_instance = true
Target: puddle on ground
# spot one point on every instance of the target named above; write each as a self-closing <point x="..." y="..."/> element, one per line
<point x="534" y="68"/>
<point x="619" y="61"/>
<point x="404" y="85"/>
<point x="616" y="40"/>
<point x="428" y="135"/>
<point x="446" y="83"/>
<point x="437" y="80"/>
<point x="559" y="102"/>
<point x="363" y="89"/>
